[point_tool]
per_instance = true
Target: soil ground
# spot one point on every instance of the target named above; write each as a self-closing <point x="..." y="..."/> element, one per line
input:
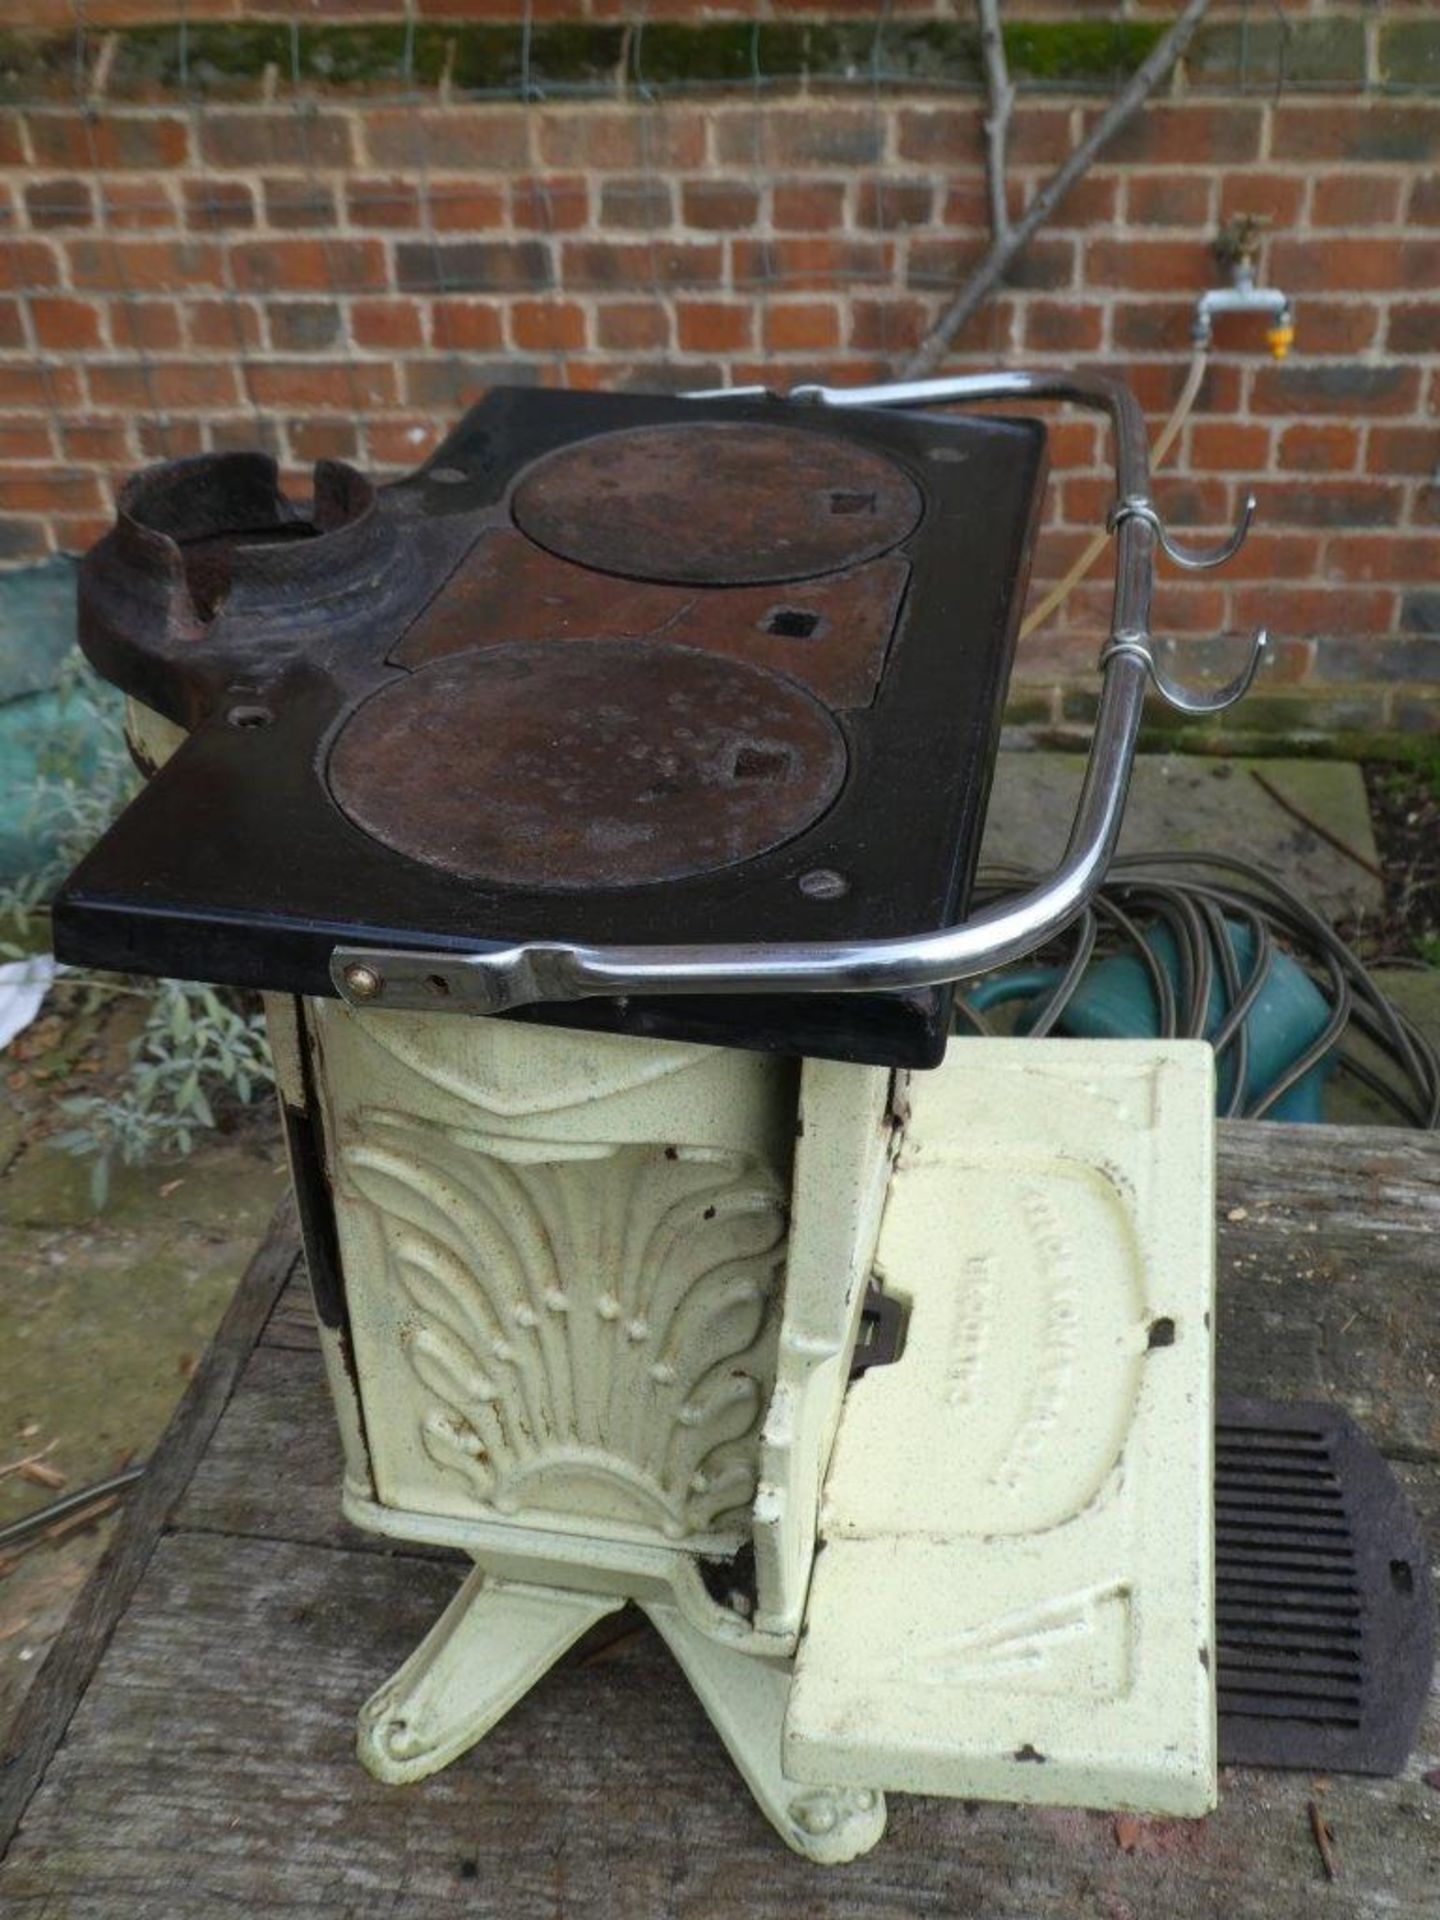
<point x="1405" y="811"/>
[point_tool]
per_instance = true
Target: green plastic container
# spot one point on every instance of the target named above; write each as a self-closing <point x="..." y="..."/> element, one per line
<point x="1116" y="1001"/>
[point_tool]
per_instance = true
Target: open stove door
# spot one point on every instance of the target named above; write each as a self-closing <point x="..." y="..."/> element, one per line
<point x="1014" y="1600"/>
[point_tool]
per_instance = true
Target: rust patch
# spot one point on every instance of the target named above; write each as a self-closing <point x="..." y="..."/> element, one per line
<point x="832" y="635"/>
<point x="716" y="504"/>
<point x="612" y="764"/>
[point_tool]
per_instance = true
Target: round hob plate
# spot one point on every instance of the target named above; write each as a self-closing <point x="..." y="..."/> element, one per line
<point x="587" y="763"/>
<point x="716" y="504"/>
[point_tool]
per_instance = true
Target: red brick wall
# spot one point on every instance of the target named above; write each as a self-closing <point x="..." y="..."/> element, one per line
<point x="340" y="269"/>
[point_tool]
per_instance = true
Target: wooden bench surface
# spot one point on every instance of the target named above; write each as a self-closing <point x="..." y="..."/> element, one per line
<point x="188" y="1748"/>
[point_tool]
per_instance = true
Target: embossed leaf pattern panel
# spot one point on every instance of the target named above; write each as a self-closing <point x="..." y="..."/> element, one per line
<point x="590" y="1332"/>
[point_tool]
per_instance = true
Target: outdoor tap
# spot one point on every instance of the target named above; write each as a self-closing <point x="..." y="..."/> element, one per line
<point x="1238" y="248"/>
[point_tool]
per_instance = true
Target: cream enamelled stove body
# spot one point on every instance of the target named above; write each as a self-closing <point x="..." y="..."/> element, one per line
<point x="597" y="810"/>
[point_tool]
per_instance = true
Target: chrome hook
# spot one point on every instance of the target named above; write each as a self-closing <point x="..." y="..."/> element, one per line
<point x="1132" y="509"/>
<point x="1138" y="647"/>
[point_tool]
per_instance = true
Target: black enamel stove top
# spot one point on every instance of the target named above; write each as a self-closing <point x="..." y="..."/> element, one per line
<point x="608" y="668"/>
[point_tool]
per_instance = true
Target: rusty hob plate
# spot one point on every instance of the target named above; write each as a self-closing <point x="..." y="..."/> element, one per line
<point x="611" y="764"/>
<point x="830" y="634"/>
<point x="714" y="504"/>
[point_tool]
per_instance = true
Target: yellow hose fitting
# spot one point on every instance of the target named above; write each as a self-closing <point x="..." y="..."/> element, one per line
<point x="1280" y="339"/>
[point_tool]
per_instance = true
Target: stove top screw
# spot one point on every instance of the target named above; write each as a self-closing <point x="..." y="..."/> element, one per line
<point x="823" y="883"/>
<point x="364" y="983"/>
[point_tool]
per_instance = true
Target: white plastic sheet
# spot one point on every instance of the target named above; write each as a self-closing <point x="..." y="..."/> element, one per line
<point x="23" y="986"/>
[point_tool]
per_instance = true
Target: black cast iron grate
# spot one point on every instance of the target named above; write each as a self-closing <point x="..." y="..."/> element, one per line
<point x="1326" y="1618"/>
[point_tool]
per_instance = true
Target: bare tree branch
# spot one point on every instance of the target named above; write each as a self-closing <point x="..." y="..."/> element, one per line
<point x="1008" y="245"/>
<point x="997" y="121"/>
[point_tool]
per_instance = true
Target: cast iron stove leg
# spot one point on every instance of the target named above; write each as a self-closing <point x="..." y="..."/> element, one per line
<point x="484" y="1653"/>
<point x="746" y="1699"/>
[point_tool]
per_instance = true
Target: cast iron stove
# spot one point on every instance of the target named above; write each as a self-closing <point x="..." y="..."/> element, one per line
<point x="598" y="809"/>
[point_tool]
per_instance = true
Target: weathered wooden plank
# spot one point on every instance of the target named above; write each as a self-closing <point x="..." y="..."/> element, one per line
<point x="1329" y="1273"/>
<point x="212" y="1764"/>
<point x="46" y="1711"/>
<point x="273" y="1469"/>
<point x="212" y="1759"/>
<point x="292" y="1324"/>
<point x="1352" y="1173"/>
<point x="1336" y="1220"/>
<point x="1345" y="1313"/>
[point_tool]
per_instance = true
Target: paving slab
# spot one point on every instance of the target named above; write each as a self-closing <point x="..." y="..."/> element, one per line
<point x="1416" y="992"/>
<point x="1183" y="802"/>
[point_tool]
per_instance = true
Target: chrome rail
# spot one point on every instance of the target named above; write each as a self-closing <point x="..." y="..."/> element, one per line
<point x="494" y="981"/>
